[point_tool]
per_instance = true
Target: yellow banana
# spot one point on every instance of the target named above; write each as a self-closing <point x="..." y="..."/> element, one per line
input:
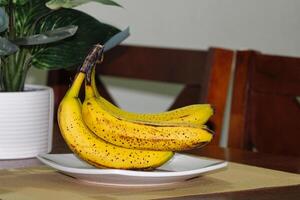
<point x="194" y="115"/>
<point x="93" y="149"/>
<point x="139" y="136"/>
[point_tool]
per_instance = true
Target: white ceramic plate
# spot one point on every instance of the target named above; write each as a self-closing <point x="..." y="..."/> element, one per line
<point x="180" y="168"/>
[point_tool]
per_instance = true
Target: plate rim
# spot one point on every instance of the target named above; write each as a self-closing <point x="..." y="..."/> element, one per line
<point x="132" y="173"/>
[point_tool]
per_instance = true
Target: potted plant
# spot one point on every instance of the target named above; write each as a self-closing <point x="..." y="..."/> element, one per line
<point x="46" y="35"/>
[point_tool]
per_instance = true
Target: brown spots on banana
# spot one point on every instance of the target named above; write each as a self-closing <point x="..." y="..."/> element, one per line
<point x="155" y="143"/>
<point x="183" y="116"/>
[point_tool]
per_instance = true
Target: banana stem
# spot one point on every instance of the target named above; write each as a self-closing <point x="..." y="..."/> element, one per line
<point x="94" y="86"/>
<point x="75" y="88"/>
<point x="90" y="61"/>
<point x="85" y="71"/>
<point x="89" y="92"/>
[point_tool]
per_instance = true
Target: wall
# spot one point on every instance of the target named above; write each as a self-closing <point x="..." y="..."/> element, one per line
<point x="271" y="26"/>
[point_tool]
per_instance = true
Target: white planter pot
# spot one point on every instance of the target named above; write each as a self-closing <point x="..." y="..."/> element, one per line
<point x="26" y="122"/>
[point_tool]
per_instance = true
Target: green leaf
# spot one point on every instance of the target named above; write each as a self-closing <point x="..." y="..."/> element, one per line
<point x="71" y="51"/>
<point x="56" y="4"/>
<point x="48" y="36"/>
<point x="107" y="2"/>
<point x="3" y="2"/>
<point x="116" y="39"/>
<point x="3" y="20"/>
<point x="7" y="47"/>
<point x="28" y="14"/>
<point x="20" y="2"/>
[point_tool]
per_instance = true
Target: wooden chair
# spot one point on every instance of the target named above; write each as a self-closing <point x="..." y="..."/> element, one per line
<point x="265" y="114"/>
<point x="205" y="75"/>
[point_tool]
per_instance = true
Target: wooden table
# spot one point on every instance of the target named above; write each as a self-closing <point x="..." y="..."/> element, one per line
<point x="284" y="163"/>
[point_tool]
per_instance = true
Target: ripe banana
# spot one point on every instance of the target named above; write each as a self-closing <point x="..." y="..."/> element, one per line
<point x="139" y="136"/>
<point x="194" y="115"/>
<point x="91" y="148"/>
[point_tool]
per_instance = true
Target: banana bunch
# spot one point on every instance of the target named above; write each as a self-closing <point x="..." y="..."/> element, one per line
<point x="107" y="136"/>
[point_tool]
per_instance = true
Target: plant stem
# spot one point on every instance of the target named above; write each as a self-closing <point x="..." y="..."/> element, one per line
<point x="14" y="67"/>
<point x="15" y="81"/>
<point x="7" y="78"/>
<point x="11" y="27"/>
<point x="8" y="64"/>
<point x="24" y="64"/>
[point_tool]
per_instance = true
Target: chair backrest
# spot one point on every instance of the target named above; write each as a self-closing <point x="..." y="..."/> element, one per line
<point x="265" y="114"/>
<point x="205" y="74"/>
